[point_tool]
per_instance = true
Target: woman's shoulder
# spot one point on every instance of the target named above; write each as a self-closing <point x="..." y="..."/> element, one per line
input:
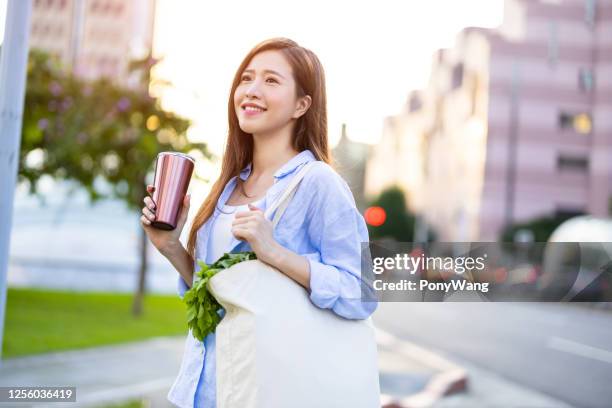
<point x="322" y="182"/>
<point x="322" y="173"/>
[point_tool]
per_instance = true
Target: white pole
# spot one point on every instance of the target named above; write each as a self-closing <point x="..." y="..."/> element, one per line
<point x="13" y="62"/>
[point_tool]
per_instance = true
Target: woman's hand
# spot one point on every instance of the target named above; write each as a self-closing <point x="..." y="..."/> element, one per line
<point x="165" y="241"/>
<point x="253" y="227"/>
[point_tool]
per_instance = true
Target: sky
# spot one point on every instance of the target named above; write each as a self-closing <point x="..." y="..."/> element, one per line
<point x="373" y="53"/>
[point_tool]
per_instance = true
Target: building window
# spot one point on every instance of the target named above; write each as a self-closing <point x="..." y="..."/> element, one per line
<point x="572" y="163"/>
<point x="586" y="80"/>
<point x="590" y="12"/>
<point x="580" y="122"/>
<point x="457" y="79"/>
<point x="414" y="102"/>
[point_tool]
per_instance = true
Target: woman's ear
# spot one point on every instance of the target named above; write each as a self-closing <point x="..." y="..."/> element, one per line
<point x="302" y="106"/>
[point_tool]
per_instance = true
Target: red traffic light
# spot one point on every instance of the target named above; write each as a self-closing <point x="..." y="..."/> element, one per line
<point x="375" y="216"/>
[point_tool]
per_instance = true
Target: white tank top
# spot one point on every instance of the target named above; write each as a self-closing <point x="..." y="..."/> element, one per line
<point x="221" y="232"/>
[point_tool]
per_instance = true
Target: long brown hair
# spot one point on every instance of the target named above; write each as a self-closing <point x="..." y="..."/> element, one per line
<point x="310" y="131"/>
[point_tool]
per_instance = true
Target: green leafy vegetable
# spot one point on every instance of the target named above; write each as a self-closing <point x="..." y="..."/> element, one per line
<point x="202" y="307"/>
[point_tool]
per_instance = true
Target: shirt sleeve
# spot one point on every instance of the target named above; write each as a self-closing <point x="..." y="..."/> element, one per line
<point x="181" y="285"/>
<point x="335" y="279"/>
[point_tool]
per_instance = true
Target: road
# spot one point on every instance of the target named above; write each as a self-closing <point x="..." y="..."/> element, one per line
<point x="562" y="350"/>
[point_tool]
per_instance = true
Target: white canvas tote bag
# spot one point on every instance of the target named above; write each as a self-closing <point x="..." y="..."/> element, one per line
<point x="276" y="349"/>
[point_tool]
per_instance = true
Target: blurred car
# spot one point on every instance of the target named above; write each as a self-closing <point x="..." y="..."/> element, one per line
<point x="578" y="261"/>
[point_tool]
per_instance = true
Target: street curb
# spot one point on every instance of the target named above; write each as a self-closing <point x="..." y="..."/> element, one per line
<point x="450" y="378"/>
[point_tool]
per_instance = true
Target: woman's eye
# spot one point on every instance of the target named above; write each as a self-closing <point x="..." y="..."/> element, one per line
<point x="248" y="78"/>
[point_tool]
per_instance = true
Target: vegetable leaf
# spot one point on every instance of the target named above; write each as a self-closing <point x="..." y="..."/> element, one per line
<point x="202" y="307"/>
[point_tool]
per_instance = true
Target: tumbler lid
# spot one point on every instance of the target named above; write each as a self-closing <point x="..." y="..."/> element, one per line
<point x="186" y="156"/>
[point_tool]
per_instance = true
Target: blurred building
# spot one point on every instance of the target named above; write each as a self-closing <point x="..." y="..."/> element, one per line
<point x="95" y="38"/>
<point x="350" y="161"/>
<point x="515" y="123"/>
<point x="398" y="159"/>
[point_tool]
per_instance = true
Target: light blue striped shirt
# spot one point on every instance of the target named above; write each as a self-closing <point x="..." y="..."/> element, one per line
<point x="321" y="223"/>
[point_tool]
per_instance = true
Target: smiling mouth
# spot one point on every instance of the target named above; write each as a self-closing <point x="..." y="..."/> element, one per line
<point x="252" y="109"/>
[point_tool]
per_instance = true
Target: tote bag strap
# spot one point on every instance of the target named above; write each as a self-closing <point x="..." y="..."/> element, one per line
<point x="281" y="204"/>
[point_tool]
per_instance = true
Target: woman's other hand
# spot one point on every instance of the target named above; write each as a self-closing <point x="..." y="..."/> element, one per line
<point x="164" y="241"/>
<point x="253" y="227"/>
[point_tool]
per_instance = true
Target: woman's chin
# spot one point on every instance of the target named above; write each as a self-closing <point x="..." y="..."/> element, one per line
<point x="251" y="128"/>
<point x="248" y="129"/>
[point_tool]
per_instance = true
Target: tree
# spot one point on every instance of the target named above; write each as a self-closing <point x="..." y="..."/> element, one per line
<point x="84" y="130"/>
<point x="399" y="223"/>
<point x="541" y="228"/>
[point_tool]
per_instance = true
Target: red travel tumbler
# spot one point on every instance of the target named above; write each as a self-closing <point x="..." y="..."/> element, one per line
<point x="172" y="175"/>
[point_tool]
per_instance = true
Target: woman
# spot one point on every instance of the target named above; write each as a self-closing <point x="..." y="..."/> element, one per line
<point x="277" y="123"/>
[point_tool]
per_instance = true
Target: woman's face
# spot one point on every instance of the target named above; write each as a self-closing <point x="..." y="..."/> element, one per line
<point x="265" y="99"/>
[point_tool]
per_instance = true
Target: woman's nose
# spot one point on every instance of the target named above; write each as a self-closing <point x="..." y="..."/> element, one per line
<point x="253" y="90"/>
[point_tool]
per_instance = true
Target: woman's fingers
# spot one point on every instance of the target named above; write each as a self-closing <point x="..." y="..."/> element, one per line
<point x="145" y="221"/>
<point x="148" y="213"/>
<point x="240" y="233"/>
<point x="248" y="214"/>
<point x="253" y="208"/>
<point x="241" y="221"/>
<point x="149" y="202"/>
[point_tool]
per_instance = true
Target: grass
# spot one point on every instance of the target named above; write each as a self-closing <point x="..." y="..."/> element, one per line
<point x="128" y="404"/>
<point x="40" y="321"/>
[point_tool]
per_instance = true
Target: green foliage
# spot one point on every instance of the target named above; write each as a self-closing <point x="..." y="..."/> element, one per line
<point x="128" y="404"/>
<point x="79" y="130"/>
<point x="41" y="321"/>
<point x="399" y="224"/>
<point x="542" y="228"/>
<point x="202" y="307"/>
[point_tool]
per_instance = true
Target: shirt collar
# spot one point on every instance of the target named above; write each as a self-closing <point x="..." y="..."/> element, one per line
<point x="244" y="174"/>
<point x="303" y="157"/>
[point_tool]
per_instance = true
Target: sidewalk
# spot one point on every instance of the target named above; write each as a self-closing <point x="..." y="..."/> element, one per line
<point x="113" y="374"/>
<point x="414" y="377"/>
<point x="102" y="375"/>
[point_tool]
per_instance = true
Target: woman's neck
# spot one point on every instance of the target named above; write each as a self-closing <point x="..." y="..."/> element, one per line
<point x="270" y="154"/>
